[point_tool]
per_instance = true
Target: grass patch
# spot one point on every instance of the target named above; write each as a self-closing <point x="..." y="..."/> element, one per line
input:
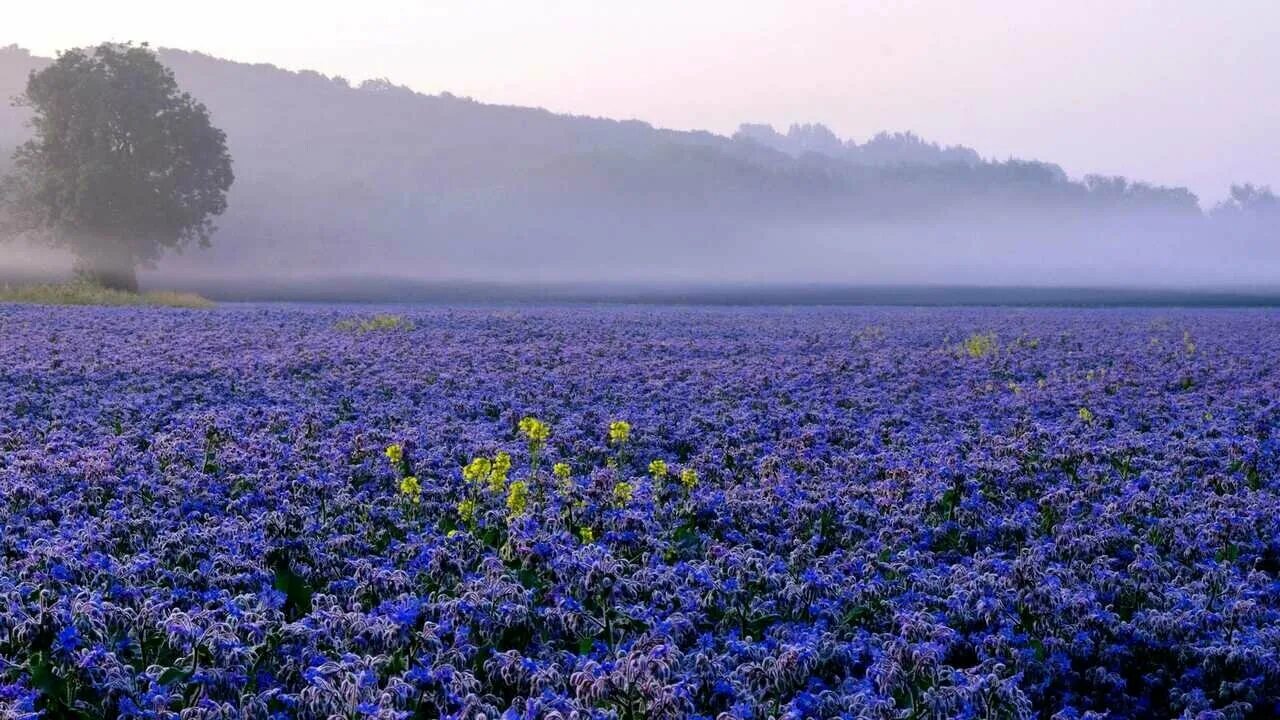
<point x="84" y="293"/>
<point x="378" y="323"/>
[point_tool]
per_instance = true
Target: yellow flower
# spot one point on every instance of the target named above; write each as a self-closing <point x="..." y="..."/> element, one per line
<point x="467" y="511"/>
<point x="477" y="470"/>
<point x="1085" y="414"/>
<point x="411" y="489"/>
<point x="587" y="534"/>
<point x="494" y="470"/>
<point x="501" y="466"/>
<point x="394" y="453"/>
<point x="622" y="493"/>
<point x="658" y="469"/>
<point x="978" y="345"/>
<point x="535" y="430"/>
<point x="561" y="470"/>
<point x="688" y="478"/>
<point x="518" y="498"/>
<point x="619" y="432"/>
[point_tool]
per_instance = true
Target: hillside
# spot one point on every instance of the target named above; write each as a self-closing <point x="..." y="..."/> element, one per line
<point x="378" y="179"/>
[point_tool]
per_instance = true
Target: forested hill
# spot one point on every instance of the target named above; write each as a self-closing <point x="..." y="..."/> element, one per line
<point x="378" y="179"/>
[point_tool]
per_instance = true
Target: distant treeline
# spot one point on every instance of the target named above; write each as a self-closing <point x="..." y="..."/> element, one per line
<point x="377" y="178"/>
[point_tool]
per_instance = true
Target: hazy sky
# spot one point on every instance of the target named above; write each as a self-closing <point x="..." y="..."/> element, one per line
<point x="1182" y="92"/>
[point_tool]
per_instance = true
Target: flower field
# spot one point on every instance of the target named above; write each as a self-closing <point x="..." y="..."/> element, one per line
<point x="332" y="511"/>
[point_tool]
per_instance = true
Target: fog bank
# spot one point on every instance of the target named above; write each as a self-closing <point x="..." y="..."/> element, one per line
<point x="337" y="181"/>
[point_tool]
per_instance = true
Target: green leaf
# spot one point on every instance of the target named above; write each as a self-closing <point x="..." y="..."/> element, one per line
<point x="297" y="592"/>
<point x="531" y="580"/>
<point x="448" y="524"/>
<point x="44" y="678"/>
<point x="174" y="674"/>
<point x="1038" y="647"/>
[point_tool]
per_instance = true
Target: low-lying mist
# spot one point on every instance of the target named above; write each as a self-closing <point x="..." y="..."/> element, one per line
<point x="1018" y="249"/>
<point x="378" y="191"/>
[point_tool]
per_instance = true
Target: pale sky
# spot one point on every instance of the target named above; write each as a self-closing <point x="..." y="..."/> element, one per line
<point x="1182" y="92"/>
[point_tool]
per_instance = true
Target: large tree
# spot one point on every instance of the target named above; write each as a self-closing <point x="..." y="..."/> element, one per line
<point x="123" y="165"/>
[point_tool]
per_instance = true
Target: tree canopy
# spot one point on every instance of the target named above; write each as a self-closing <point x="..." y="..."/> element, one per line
<point x="122" y="166"/>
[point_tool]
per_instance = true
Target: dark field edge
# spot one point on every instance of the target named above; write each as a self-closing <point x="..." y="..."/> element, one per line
<point x="372" y="289"/>
<point x="378" y="290"/>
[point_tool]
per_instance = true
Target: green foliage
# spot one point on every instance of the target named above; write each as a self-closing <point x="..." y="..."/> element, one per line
<point x="123" y="165"/>
<point x="88" y="293"/>
<point x="378" y="323"/>
<point x="297" y="592"/>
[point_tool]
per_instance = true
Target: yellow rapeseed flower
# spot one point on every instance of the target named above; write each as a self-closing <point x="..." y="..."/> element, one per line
<point x="619" y="432"/>
<point x="658" y="469"/>
<point x="622" y="493"/>
<point x="492" y="471"/>
<point x="561" y="470"/>
<point x="688" y="478"/>
<point x="501" y="466"/>
<point x="477" y="470"/>
<point x="467" y="511"/>
<point x="518" y="498"/>
<point x="394" y="453"/>
<point x="411" y="489"/>
<point x="980" y="345"/>
<point x="535" y="430"/>
<point x="587" y="534"/>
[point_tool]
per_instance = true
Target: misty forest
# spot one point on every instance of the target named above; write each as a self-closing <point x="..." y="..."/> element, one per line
<point x="378" y="180"/>
<point x="325" y="400"/>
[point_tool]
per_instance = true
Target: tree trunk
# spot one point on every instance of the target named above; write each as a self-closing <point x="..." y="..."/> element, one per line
<point x="110" y="273"/>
